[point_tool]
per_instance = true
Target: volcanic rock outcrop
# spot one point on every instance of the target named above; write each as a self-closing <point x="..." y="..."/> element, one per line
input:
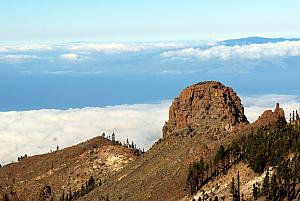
<point x="270" y="118"/>
<point x="206" y="107"/>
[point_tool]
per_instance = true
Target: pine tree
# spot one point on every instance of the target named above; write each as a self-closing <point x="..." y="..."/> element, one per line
<point x="273" y="187"/>
<point x="255" y="192"/>
<point x="266" y="186"/>
<point x="222" y="156"/>
<point x="238" y="186"/>
<point x="207" y="170"/>
<point x="200" y="170"/>
<point x="232" y="189"/>
<point x="113" y="137"/>
<point x="293" y="117"/>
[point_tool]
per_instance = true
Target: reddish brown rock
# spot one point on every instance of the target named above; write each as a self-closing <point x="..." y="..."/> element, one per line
<point x="206" y="107"/>
<point x="270" y="118"/>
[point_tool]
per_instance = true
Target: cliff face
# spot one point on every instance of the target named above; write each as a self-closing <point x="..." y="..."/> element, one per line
<point x="206" y="103"/>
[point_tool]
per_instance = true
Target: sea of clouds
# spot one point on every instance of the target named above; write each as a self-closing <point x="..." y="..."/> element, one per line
<point x="206" y="51"/>
<point x="252" y="51"/>
<point x="39" y="131"/>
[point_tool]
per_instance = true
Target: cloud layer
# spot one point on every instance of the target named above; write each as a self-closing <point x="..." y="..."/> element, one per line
<point x="34" y="132"/>
<point x="124" y="47"/>
<point x="39" y="131"/>
<point x="77" y="51"/>
<point x="70" y="56"/>
<point x="253" y="51"/>
<point x="16" y="58"/>
<point x="209" y="51"/>
<point x="25" y="48"/>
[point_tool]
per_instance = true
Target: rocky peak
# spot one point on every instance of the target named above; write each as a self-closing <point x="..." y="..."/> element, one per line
<point x="271" y="118"/>
<point x="206" y="107"/>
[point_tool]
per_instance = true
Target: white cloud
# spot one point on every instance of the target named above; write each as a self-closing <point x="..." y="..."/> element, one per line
<point x="124" y="47"/>
<point x="39" y="131"/>
<point x="94" y="47"/>
<point x="16" y="58"/>
<point x="70" y="72"/>
<point x="70" y="56"/>
<point x="34" y="132"/>
<point x="25" y="48"/>
<point x="3" y="49"/>
<point x="253" y="51"/>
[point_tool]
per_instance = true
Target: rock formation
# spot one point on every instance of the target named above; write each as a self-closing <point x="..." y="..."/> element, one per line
<point x="270" y="118"/>
<point x="207" y="107"/>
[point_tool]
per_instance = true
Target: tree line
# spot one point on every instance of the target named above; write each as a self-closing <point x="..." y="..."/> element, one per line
<point x="131" y="145"/>
<point x="22" y="157"/>
<point x="90" y="184"/>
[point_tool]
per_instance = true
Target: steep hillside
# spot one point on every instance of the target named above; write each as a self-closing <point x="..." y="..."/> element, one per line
<point x="263" y="163"/>
<point x="201" y="118"/>
<point x="47" y="176"/>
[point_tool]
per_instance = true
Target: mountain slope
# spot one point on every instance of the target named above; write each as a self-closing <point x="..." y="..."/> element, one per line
<point x="63" y="170"/>
<point x="201" y="118"/>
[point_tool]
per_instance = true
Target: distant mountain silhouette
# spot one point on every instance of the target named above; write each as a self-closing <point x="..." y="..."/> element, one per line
<point x="255" y="40"/>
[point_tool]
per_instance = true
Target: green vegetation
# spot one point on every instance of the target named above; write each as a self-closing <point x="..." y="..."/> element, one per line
<point x="22" y="157"/>
<point x="132" y="145"/>
<point x="278" y="148"/>
<point x="283" y="181"/>
<point x="196" y="175"/>
<point x="235" y="189"/>
<point x="85" y="189"/>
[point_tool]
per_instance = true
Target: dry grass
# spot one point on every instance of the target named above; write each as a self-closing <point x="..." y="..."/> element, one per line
<point x="65" y="169"/>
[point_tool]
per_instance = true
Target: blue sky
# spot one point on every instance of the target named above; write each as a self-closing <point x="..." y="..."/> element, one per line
<point x="141" y="20"/>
